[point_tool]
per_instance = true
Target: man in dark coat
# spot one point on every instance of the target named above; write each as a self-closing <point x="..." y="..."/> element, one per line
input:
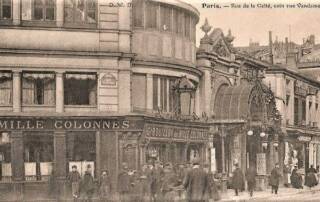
<point x="275" y="178"/>
<point x="73" y="179"/>
<point x="237" y="180"/>
<point x="104" y="186"/>
<point x="251" y="179"/>
<point x="296" y="179"/>
<point x="87" y="185"/>
<point x="124" y="183"/>
<point x="196" y="183"/>
<point x="311" y="179"/>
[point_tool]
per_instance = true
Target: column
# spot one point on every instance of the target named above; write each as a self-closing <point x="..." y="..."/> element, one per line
<point x="16" y="12"/>
<point x="149" y="92"/>
<point x="17" y="163"/>
<point x="124" y="83"/>
<point x="16" y="92"/>
<point x="205" y="91"/>
<point x="60" y="13"/>
<point x="98" y="151"/>
<point x="60" y="161"/>
<point x="59" y="92"/>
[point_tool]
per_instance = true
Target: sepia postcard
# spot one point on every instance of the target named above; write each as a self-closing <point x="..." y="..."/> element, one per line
<point x="159" y="100"/>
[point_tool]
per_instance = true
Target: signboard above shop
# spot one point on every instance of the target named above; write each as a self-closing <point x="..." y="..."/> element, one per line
<point x="176" y="133"/>
<point x="26" y="124"/>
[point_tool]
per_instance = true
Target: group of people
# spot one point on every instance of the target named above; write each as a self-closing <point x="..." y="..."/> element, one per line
<point x="238" y="179"/>
<point x="83" y="188"/>
<point x="165" y="182"/>
<point x="154" y="182"/>
<point x="311" y="178"/>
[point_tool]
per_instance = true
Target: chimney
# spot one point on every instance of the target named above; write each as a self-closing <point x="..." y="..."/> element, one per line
<point x="270" y="47"/>
<point x="291" y="57"/>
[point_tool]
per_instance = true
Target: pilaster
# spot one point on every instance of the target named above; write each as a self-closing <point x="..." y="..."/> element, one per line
<point x="16" y="91"/>
<point x="59" y="92"/>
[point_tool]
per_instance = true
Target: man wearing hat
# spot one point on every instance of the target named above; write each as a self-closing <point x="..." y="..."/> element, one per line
<point x="237" y="179"/>
<point x="275" y="178"/>
<point x="87" y="185"/>
<point x="74" y="179"/>
<point x="196" y="183"/>
<point x="156" y="181"/>
<point x="124" y="183"/>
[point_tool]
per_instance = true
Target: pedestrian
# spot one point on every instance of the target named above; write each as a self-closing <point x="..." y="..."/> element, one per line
<point x="237" y="179"/>
<point x="296" y="179"/>
<point x="196" y="183"/>
<point x="212" y="192"/>
<point x="73" y="179"/>
<point x="311" y="179"/>
<point x="124" y="183"/>
<point x="287" y="174"/>
<point x="104" y="186"/>
<point x="156" y="181"/>
<point x="251" y="179"/>
<point x="87" y="185"/>
<point x="170" y="181"/>
<point x="275" y="178"/>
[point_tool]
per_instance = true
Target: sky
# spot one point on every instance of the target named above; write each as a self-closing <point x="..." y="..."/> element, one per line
<point x="255" y="23"/>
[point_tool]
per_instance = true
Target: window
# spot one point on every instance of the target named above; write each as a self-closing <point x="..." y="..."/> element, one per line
<point x="6" y="9"/>
<point x="44" y="9"/>
<point x="137" y="12"/>
<point x="193" y="28"/>
<point x="162" y="94"/>
<point x="165" y="16"/>
<point x="296" y="111"/>
<point x="303" y="111"/>
<point x="38" y="156"/>
<point x="81" y="151"/>
<point x="80" y="89"/>
<point x="287" y="100"/>
<point x="151" y="15"/>
<point x="187" y="25"/>
<point x="5" y="88"/>
<point x="80" y="11"/>
<point x="139" y="91"/>
<point x="5" y="157"/>
<point x="38" y="88"/>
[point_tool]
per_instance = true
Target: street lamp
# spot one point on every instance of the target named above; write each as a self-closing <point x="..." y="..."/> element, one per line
<point x="262" y="134"/>
<point x="250" y="133"/>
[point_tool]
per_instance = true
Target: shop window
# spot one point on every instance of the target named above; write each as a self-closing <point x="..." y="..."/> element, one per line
<point x="38" y="88"/>
<point x="5" y="88"/>
<point x="151" y="14"/>
<point x="81" y="151"/>
<point x="139" y="92"/>
<point x="5" y="9"/>
<point x="80" y="89"/>
<point x="80" y="11"/>
<point x="5" y="157"/>
<point x="44" y="9"/>
<point x="137" y="12"/>
<point x="38" y="156"/>
<point x="165" y="16"/>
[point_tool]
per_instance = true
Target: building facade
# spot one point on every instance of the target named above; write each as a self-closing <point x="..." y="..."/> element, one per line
<point x="293" y="77"/>
<point x="90" y="82"/>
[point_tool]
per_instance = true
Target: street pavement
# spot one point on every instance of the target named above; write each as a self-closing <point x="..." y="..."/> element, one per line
<point x="284" y="194"/>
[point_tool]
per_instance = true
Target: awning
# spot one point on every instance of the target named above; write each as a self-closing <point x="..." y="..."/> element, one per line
<point x="5" y="75"/>
<point x="38" y="76"/>
<point x="232" y="102"/>
<point x="81" y="76"/>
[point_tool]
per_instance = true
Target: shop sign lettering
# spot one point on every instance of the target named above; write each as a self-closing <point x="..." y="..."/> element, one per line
<point x="63" y="124"/>
<point x="304" y="138"/>
<point x="175" y="133"/>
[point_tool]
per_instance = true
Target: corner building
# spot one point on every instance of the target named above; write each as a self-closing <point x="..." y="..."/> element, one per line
<point x="82" y="83"/>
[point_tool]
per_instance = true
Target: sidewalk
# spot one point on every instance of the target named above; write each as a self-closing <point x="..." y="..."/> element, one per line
<point x="283" y="191"/>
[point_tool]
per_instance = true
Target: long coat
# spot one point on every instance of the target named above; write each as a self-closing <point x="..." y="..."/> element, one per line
<point x="296" y="179"/>
<point x="238" y="179"/>
<point x="196" y="183"/>
<point x="311" y="179"/>
<point x="124" y="182"/>
<point x="251" y="178"/>
<point x="275" y="177"/>
<point x="87" y="184"/>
